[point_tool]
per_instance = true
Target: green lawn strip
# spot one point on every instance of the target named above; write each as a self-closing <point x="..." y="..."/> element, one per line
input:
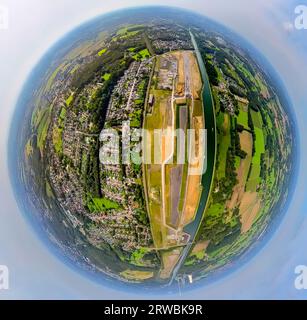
<point x="224" y="144"/>
<point x="254" y="177"/>
<point x="69" y="100"/>
<point x="106" y="76"/>
<point x="96" y="205"/>
<point x="138" y="255"/>
<point x="52" y="78"/>
<point x="243" y="117"/>
<point x="257" y="119"/>
<point x="237" y="162"/>
<point x="42" y="128"/>
<point x="136" y="118"/>
<point x="62" y="117"/>
<point x="141" y="55"/>
<point x="101" y="52"/>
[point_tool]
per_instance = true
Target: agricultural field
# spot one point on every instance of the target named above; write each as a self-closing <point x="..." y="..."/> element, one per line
<point x="245" y="178"/>
<point x="141" y="55"/>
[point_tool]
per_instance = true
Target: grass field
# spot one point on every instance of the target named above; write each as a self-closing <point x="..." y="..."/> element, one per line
<point x="254" y="178"/>
<point x="257" y="119"/>
<point x="234" y="74"/>
<point x="62" y="117"/>
<point x="141" y="55"/>
<point x="43" y="123"/>
<point x="137" y="275"/>
<point x="29" y="148"/>
<point x="153" y="174"/>
<point x="101" y="52"/>
<point x="49" y="191"/>
<point x="127" y="32"/>
<point x="96" y="205"/>
<point x="246" y="72"/>
<point x="264" y="90"/>
<point x="52" y="78"/>
<point x="138" y="255"/>
<point x="57" y="139"/>
<point x="215" y="210"/>
<point x="237" y="162"/>
<point x="130" y="29"/>
<point x="69" y="100"/>
<point x="243" y="116"/>
<point x="57" y="133"/>
<point x="224" y="144"/>
<point x="106" y="76"/>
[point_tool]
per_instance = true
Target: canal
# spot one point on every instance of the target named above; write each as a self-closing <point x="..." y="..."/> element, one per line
<point x="207" y="178"/>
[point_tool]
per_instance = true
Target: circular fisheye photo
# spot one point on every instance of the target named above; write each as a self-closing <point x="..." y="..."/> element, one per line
<point x="153" y="148"/>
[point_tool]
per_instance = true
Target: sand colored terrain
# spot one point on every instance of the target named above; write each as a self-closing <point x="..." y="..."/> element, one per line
<point x="193" y="71"/>
<point x="249" y="208"/>
<point x="200" y="246"/>
<point x="192" y="199"/>
<point x="137" y="275"/>
<point x="169" y="261"/>
<point x="193" y="191"/>
<point x="180" y="83"/>
<point x="197" y="83"/>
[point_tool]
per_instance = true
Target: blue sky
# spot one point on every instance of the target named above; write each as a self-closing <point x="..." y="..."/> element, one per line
<point x="34" y="26"/>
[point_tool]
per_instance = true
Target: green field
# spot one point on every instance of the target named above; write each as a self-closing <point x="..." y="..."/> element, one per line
<point x="62" y="117"/>
<point x="138" y="255"/>
<point x="137" y="275"/>
<point x="43" y="122"/>
<point x="69" y="100"/>
<point x="257" y="119"/>
<point x="141" y="55"/>
<point x="254" y="177"/>
<point x="49" y="191"/>
<point x="101" y="52"/>
<point x="74" y="69"/>
<point x="57" y="134"/>
<point x="231" y="70"/>
<point x="106" y="76"/>
<point x="224" y="144"/>
<point x="246" y="72"/>
<point x="52" y="78"/>
<point x="215" y="210"/>
<point x="237" y="162"/>
<point x="127" y="32"/>
<point x="29" y="148"/>
<point x="57" y="139"/>
<point x="96" y="205"/>
<point x="243" y="117"/>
